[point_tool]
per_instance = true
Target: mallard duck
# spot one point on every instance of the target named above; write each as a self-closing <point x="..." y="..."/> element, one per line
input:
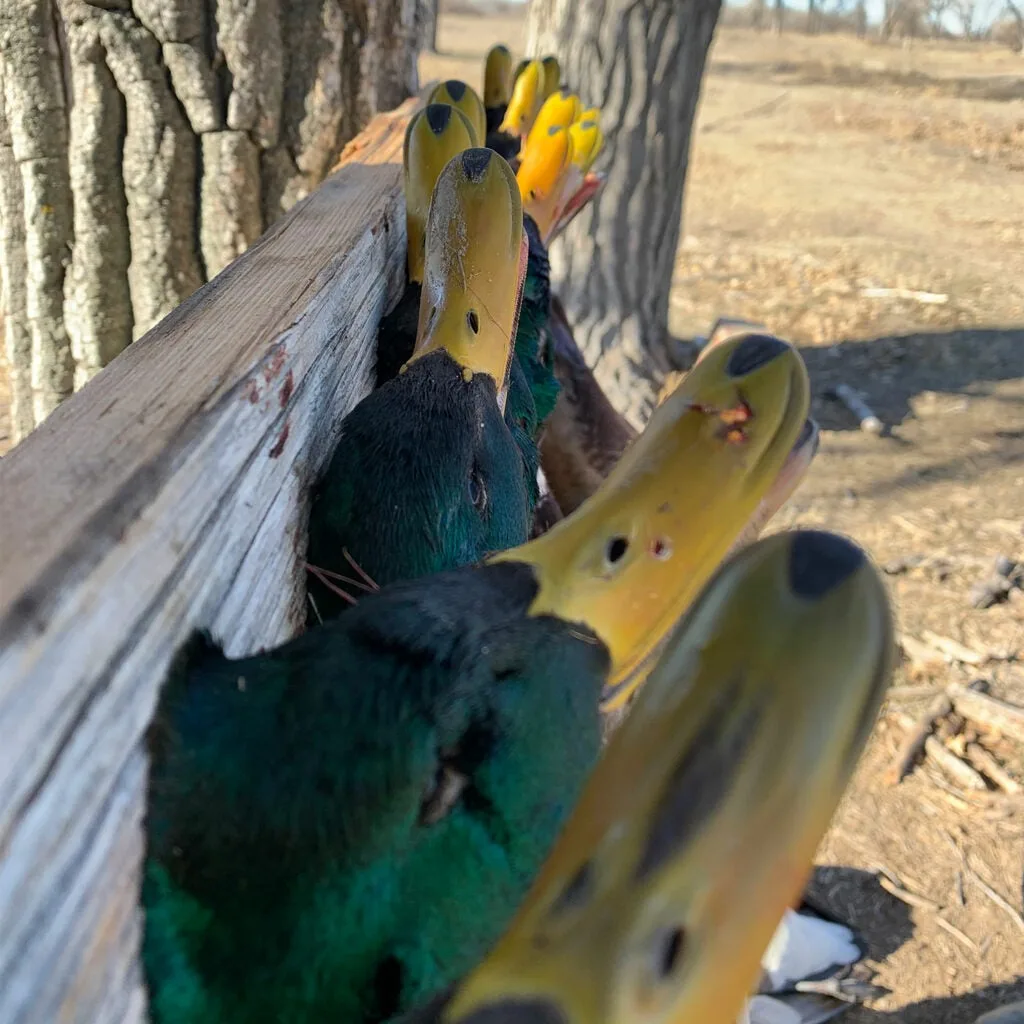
<point x="434" y="135"/>
<point x="463" y="97"/>
<point x="342" y="826"/>
<point x="697" y="825"/>
<point x="426" y="475"/>
<point x="497" y="84"/>
<point x="585" y="436"/>
<point x="521" y="112"/>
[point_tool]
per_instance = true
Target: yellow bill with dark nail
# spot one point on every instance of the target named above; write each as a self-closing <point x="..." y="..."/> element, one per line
<point x="559" y="110"/>
<point x="461" y="96"/>
<point x="475" y="266"/>
<point x="527" y="96"/>
<point x="434" y="136"/>
<point x="497" y="76"/>
<point x="546" y="176"/>
<point x="631" y="559"/>
<point x="587" y="141"/>
<point x="552" y="74"/>
<point x="697" y="828"/>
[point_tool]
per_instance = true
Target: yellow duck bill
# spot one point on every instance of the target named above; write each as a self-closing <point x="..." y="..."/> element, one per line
<point x="698" y="826"/>
<point x="559" y="110"/>
<point x="435" y="135"/>
<point x="463" y="97"/>
<point x="527" y="96"/>
<point x="631" y="559"/>
<point x="497" y="76"/>
<point x="475" y="267"/>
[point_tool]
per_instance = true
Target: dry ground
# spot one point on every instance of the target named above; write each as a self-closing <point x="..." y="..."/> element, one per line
<point x="823" y="167"/>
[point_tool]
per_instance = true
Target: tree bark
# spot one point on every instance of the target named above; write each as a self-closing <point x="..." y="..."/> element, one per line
<point x="641" y="62"/>
<point x="430" y="12"/>
<point x="144" y="144"/>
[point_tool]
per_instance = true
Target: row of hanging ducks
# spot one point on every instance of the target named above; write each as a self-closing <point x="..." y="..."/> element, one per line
<point x="562" y="734"/>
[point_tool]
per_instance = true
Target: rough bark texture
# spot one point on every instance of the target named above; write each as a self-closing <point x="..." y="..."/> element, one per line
<point x="144" y="144"/>
<point x="641" y="61"/>
<point x="429" y="14"/>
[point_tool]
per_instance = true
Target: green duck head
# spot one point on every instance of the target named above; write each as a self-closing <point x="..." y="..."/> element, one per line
<point x="697" y="828"/>
<point x="463" y="97"/>
<point x="434" y="136"/>
<point x="630" y="560"/>
<point x="426" y="476"/>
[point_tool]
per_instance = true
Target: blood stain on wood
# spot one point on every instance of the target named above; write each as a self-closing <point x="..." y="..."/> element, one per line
<point x="274" y="364"/>
<point x="287" y="388"/>
<point x="279" y="447"/>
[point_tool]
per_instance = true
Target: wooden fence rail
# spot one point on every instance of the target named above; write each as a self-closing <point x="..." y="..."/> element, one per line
<point x="169" y="494"/>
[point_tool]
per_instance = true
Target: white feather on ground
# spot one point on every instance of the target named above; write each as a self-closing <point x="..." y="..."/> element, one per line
<point x="805" y="946"/>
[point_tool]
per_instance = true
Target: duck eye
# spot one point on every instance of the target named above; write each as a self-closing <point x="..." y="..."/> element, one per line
<point x="477" y="492"/>
<point x="532" y="194"/>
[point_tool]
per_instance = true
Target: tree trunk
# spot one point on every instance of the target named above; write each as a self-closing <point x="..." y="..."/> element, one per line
<point x="144" y="144"/>
<point x="430" y="12"/>
<point x="641" y="62"/>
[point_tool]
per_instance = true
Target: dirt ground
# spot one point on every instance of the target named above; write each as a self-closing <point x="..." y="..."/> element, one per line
<point x="824" y="167"/>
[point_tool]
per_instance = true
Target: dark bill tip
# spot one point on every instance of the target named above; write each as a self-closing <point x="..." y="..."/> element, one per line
<point x="438" y="116"/>
<point x="456" y="89"/>
<point x="820" y="561"/>
<point x="753" y="352"/>
<point x="475" y="162"/>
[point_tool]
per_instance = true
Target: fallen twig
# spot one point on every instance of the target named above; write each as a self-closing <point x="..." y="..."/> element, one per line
<point x="952" y="765"/>
<point x="892" y="886"/>
<point x="868" y="421"/>
<point x="994" y="896"/>
<point x="956" y="933"/>
<point x="928" y="298"/>
<point x="987" y="764"/>
<point x="953" y="649"/>
<point x="913" y="743"/>
<point x="989" y="711"/>
<point x="911" y="692"/>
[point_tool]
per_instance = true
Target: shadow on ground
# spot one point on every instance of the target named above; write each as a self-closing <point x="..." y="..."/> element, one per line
<point x="937" y="1011"/>
<point x="855" y="898"/>
<point x="892" y="371"/>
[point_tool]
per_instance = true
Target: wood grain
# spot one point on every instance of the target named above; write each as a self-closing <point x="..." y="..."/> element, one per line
<point x="167" y="495"/>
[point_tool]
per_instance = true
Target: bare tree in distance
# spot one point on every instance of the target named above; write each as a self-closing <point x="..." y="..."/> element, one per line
<point x="641" y="62"/>
<point x="976" y="16"/>
<point x="779" y="17"/>
<point x="143" y="146"/>
<point x="1015" y="28"/>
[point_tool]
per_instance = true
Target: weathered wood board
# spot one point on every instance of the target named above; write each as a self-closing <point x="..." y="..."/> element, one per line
<point x="168" y="495"/>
